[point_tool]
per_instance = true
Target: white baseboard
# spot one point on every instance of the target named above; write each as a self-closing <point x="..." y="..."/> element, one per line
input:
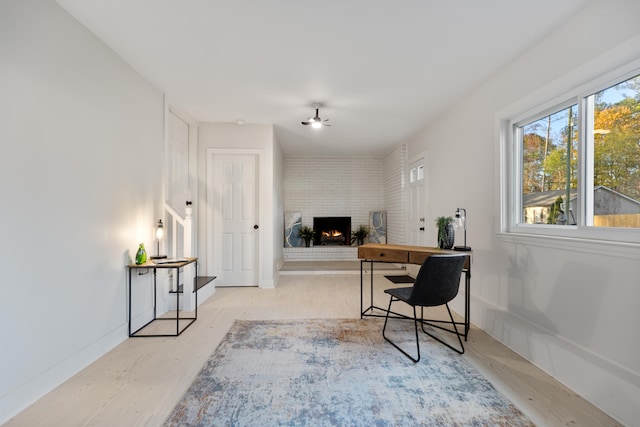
<point x="612" y="388"/>
<point x="29" y="392"/>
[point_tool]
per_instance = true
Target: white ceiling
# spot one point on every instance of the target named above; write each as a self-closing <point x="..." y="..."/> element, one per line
<point x="383" y="68"/>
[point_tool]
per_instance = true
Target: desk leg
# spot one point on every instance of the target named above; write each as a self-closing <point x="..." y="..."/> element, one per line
<point x="195" y="284"/>
<point x="467" y="303"/>
<point x="178" y="301"/>
<point x="154" y="293"/>
<point x="371" y="287"/>
<point x="130" y="301"/>
<point x="362" y="310"/>
<point x="361" y="289"/>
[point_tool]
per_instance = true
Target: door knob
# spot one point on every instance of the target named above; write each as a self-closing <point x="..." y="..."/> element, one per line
<point x="255" y="227"/>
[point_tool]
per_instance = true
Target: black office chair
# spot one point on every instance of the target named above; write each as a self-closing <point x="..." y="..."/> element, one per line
<point x="436" y="284"/>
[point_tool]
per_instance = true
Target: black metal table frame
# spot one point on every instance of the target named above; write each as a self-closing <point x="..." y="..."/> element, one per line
<point x="369" y="311"/>
<point x="177" y="318"/>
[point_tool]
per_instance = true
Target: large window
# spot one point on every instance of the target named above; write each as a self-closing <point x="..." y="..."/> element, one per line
<point x="549" y="159"/>
<point x="613" y="119"/>
<point x="576" y="165"/>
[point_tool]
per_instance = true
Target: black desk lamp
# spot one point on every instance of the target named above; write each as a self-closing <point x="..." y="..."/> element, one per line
<point x="461" y="221"/>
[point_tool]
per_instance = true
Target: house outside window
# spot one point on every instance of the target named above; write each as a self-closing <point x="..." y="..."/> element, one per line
<point x="573" y="167"/>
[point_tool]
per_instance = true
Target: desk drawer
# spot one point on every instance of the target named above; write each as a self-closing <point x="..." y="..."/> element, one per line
<point x="388" y="255"/>
<point x="419" y="257"/>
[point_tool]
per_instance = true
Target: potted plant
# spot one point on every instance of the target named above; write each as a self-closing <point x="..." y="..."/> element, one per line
<point x="446" y="233"/>
<point x="307" y="234"/>
<point x="359" y="234"/>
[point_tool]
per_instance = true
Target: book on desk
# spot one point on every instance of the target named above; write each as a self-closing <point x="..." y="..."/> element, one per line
<point x="168" y="260"/>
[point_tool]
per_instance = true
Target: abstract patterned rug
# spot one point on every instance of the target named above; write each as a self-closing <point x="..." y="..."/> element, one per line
<point x="337" y="373"/>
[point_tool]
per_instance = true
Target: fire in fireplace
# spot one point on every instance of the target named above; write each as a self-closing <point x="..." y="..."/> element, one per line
<point x="332" y="230"/>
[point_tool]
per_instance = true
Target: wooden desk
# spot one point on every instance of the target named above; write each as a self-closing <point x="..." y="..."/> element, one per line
<point x="405" y="254"/>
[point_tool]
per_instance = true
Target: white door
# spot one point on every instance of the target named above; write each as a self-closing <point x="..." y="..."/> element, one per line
<point x="233" y="203"/>
<point x="178" y="161"/>
<point x="417" y="227"/>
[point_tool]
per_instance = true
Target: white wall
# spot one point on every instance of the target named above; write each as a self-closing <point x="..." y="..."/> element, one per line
<point x="250" y="137"/>
<point x="80" y="176"/>
<point x="569" y="307"/>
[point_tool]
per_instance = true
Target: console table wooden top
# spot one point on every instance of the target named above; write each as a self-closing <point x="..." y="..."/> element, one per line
<point x="405" y="254"/>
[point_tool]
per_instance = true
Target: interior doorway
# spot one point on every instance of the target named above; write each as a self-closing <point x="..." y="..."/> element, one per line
<point x="417" y="226"/>
<point x="232" y="218"/>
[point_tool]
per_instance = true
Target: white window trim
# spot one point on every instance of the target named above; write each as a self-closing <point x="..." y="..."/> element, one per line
<point x="608" y="69"/>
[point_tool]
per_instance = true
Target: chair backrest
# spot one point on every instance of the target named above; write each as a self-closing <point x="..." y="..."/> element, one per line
<point x="438" y="280"/>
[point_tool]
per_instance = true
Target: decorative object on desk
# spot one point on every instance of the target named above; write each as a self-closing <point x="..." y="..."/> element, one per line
<point x="141" y="255"/>
<point x="292" y="224"/>
<point x="159" y="233"/>
<point x="378" y="227"/>
<point x="332" y="372"/>
<point x="359" y="234"/>
<point x="461" y="222"/>
<point x="307" y="234"/>
<point x="446" y="233"/>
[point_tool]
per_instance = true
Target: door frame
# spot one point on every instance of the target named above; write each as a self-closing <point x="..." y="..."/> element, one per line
<point x="422" y="156"/>
<point x="192" y="178"/>
<point x="210" y="260"/>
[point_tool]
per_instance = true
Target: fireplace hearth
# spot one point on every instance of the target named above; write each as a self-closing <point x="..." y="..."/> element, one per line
<point x="332" y="230"/>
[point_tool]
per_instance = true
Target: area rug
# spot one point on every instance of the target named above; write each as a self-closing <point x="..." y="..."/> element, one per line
<point x="337" y="373"/>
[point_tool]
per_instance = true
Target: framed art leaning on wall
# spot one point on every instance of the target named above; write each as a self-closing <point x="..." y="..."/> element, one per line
<point x="378" y="227"/>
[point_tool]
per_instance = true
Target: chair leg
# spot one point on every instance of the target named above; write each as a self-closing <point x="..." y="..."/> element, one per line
<point x="459" y="351"/>
<point x="415" y="324"/>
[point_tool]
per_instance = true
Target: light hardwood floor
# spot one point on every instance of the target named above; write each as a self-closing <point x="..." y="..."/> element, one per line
<point x="139" y="382"/>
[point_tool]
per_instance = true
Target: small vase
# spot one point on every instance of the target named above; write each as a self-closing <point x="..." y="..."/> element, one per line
<point x="141" y="255"/>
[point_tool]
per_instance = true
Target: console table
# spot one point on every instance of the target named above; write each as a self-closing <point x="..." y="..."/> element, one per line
<point x="405" y="254"/>
<point x="198" y="282"/>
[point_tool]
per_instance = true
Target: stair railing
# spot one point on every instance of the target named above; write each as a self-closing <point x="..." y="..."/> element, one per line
<point x="182" y="248"/>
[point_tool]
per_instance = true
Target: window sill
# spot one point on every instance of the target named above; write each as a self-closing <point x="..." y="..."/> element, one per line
<point x="574" y="244"/>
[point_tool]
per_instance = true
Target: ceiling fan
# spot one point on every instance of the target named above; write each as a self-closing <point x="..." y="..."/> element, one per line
<point x="316" y="122"/>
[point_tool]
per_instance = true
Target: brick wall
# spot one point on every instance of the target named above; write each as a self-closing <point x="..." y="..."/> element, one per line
<point x="323" y="186"/>
<point x="352" y="186"/>
<point x="395" y="190"/>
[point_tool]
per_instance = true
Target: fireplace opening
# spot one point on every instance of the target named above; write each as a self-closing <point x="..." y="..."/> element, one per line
<point x="332" y="230"/>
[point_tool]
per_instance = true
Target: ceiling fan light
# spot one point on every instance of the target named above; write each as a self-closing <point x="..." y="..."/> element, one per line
<point x="317" y="124"/>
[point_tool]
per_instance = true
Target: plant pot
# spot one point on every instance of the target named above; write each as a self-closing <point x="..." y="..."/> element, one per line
<point x="446" y="242"/>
